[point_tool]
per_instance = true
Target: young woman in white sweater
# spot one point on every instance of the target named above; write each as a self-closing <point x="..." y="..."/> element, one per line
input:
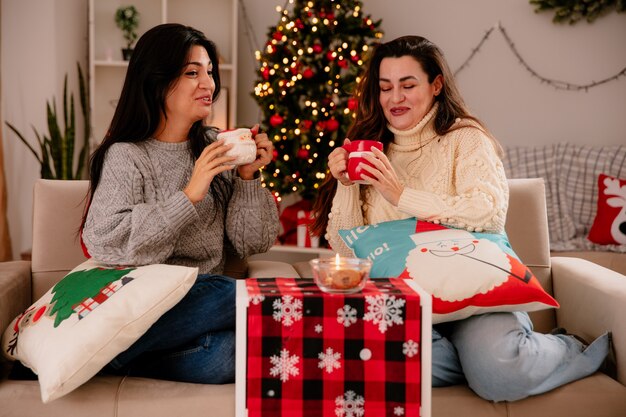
<point x="441" y="165"/>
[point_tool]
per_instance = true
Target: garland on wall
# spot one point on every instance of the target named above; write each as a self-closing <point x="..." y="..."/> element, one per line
<point x="559" y="85"/>
<point x="572" y="11"/>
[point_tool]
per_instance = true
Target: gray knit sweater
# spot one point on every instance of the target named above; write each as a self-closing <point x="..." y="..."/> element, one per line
<point x="139" y="214"/>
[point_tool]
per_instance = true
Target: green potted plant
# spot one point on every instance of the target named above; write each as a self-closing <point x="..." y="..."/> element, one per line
<point x="57" y="148"/>
<point x="127" y="19"/>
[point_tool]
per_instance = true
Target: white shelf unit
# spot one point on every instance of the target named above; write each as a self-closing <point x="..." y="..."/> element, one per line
<point x="217" y="19"/>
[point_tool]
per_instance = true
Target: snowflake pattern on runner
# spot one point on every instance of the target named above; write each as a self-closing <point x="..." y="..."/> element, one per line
<point x="284" y="365"/>
<point x="319" y="328"/>
<point x="257" y="299"/>
<point x="329" y="360"/>
<point x="346" y="315"/>
<point x="350" y="405"/>
<point x="384" y="310"/>
<point x="398" y="411"/>
<point x="410" y="348"/>
<point x="287" y="309"/>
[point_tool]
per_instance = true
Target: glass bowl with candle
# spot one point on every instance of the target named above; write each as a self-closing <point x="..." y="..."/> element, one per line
<point x="340" y="275"/>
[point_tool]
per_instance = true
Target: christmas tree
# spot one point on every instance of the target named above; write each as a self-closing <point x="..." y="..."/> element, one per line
<point x="307" y="75"/>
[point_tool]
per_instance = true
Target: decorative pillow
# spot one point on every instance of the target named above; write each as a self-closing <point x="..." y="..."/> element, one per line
<point x="609" y="225"/>
<point x="88" y="318"/>
<point x="466" y="273"/>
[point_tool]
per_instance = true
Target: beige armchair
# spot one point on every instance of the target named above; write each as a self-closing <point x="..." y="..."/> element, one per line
<point x="592" y="298"/>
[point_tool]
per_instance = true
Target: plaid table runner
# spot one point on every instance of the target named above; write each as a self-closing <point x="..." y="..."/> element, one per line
<point x="315" y="354"/>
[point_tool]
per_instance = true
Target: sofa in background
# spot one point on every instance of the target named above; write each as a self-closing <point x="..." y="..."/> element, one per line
<point x="571" y="175"/>
<point x="592" y="298"/>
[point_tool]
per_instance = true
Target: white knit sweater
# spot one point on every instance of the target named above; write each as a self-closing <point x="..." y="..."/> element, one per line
<point x="456" y="179"/>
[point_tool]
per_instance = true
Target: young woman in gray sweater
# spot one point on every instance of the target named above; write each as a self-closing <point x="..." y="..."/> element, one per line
<point x="163" y="191"/>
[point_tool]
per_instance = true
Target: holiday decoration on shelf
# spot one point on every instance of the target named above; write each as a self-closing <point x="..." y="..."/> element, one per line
<point x="307" y="73"/>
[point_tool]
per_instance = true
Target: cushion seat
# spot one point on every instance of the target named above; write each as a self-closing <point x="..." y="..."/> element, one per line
<point x="108" y="396"/>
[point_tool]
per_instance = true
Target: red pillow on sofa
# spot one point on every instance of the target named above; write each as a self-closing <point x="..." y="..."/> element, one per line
<point x="609" y="226"/>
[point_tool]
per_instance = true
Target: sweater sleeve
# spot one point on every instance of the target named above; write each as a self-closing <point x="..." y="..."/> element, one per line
<point x="252" y="218"/>
<point x="121" y="228"/>
<point x="480" y="198"/>
<point x="345" y="213"/>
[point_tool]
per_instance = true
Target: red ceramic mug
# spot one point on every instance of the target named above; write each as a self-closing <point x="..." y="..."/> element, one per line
<point x="356" y="150"/>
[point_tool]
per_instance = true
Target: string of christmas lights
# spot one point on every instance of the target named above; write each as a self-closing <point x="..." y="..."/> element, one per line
<point x="558" y="84"/>
<point x="307" y="71"/>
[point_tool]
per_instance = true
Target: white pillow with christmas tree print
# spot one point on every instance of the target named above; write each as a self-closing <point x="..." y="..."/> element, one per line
<point x="88" y="318"/>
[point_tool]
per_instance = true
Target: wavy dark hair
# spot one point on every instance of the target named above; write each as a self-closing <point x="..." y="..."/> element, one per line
<point x="370" y="121"/>
<point x="157" y="62"/>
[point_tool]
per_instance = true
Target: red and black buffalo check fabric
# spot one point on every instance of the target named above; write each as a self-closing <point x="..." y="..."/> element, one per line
<point x="321" y="355"/>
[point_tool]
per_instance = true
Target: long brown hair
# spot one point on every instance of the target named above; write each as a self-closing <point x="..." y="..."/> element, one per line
<point x="157" y="61"/>
<point x="370" y="122"/>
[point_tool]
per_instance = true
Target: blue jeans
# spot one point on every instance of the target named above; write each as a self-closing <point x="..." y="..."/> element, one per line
<point x="192" y="342"/>
<point x="502" y="359"/>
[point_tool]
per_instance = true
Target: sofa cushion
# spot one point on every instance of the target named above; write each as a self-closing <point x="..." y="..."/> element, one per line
<point x="89" y="317"/>
<point x="543" y="162"/>
<point x="597" y="395"/>
<point x="609" y="224"/>
<point x="570" y="172"/>
<point x="465" y="272"/>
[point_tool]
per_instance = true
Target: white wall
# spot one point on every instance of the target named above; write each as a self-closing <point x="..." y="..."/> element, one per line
<point x="518" y="108"/>
<point x="42" y="40"/>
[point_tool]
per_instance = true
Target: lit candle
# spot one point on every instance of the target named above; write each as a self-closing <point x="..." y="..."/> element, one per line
<point x="340" y="275"/>
<point x="344" y="276"/>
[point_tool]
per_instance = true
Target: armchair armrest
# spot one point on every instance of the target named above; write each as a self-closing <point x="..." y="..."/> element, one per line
<point x="271" y="269"/>
<point x="593" y="301"/>
<point x="15" y="290"/>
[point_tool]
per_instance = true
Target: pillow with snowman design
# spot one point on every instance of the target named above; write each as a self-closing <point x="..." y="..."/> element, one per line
<point x="466" y="272"/>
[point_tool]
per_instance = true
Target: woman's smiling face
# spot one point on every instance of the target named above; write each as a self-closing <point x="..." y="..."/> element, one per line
<point x="406" y="96"/>
<point x="191" y="96"/>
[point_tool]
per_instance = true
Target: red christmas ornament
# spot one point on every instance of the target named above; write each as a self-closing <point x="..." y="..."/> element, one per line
<point x="308" y="73"/>
<point x="277" y="35"/>
<point x="302" y="153"/>
<point x="321" y="125"/>
<point x="276" y="120"/>
<point x="352" y="104"/>
<point x="299" y="24"/>
<point x="306" y="124"/>
<point x="329" y="56"/>
<point x="317" y="48"/>
<point x="274" y="154"/>
<point x="265" y="72"/>
<point x="343" y="63"/>
<point x="355" y="58"/>
<point x="330" y="16"/>
<point x="332" y="125"/>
